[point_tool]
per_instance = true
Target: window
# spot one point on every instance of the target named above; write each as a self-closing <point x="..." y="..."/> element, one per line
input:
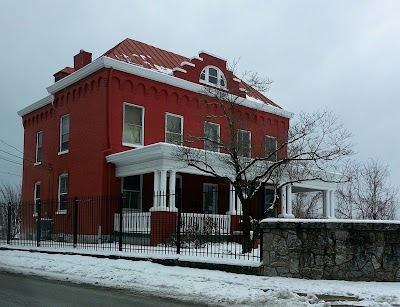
<point x="64" y="133"/>
<point x="36" y="196"/>
<point x="132" y="192"/>
<point x="213" y="76"/>
<point x="62" y="192"/>
<point x="133" y="125"/>
<point x="244" y="146"/>
<point x="269" y="196"/>
<point x="174" y="129"/>
<point x="211" y="136"/>
<point x="39" y="137"/>
<point x="210" y="198"/>
<point x="270" y="148"/>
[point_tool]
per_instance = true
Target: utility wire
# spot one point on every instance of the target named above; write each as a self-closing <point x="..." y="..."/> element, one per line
<point x="10" y="174"/>
<point x="9" y="160"/>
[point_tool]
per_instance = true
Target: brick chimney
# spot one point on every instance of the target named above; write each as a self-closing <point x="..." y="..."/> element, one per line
<point x="82" y="59"/>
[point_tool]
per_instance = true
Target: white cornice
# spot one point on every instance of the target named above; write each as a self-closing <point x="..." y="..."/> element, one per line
<point x="36" y="105"/>
<point x="105" y="62"/>
<point x="213" y="55"/>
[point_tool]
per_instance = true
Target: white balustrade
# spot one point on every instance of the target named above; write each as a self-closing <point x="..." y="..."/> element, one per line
<point x="138" y="222"/>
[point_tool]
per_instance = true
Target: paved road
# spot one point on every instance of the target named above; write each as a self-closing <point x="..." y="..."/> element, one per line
<point x="22" y="290"/>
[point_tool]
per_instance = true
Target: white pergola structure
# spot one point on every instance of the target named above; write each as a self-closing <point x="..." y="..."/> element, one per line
<point x="161" y="160"/>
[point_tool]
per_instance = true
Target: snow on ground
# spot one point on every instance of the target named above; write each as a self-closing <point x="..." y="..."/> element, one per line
<point x="201" y="286"/>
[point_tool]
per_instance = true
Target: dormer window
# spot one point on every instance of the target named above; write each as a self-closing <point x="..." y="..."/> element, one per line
<point x="213" y="76"/>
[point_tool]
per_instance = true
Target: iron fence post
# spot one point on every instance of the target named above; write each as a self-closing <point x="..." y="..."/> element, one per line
<point x="75" y="221"/>
<point x="261" y="244"/>
<point x="9" y="223"/>
<point x="121" y="204"/>
<point x="178" y="223"/>
<point x="39" y="223"/>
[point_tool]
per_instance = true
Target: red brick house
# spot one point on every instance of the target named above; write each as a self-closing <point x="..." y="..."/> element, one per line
<point x="107" y="127"/>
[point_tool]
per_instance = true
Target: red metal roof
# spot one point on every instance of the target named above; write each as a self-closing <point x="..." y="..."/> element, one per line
<point x="138" y="53"/>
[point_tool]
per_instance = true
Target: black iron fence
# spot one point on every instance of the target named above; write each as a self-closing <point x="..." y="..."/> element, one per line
<point x="109" y="223"/>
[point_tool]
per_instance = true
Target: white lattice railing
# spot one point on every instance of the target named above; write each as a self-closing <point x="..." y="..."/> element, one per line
<point x="138" y="222"/>
<point x="206" y="223"/>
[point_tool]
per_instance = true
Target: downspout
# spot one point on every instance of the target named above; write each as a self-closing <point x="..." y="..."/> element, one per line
<point x="108" y="150"/>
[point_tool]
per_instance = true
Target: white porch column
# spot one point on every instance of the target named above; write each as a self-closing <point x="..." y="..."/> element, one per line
<point x="283" y="202"/>
<point x="172" y="184"/>
<point x="156" y="192"/>
<point x="332" y="203"/>
<point x="232" y="208"/>
<point x="286" y="202"/>
<point x="326" y="204"/>
<point x="163" y="188"/>
<point x="289" y="205"/>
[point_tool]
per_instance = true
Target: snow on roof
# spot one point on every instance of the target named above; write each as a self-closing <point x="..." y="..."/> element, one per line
<point x="147" y="56"/>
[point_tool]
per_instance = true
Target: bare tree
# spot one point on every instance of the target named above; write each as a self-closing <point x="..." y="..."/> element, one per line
<point x="368" y="194"/>
<point x="309" y="151"/>
<point x="307" y="205"/>
<point x="10" y="195"/>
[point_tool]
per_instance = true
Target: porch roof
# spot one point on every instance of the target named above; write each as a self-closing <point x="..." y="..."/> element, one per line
<point x="163" y="156"/>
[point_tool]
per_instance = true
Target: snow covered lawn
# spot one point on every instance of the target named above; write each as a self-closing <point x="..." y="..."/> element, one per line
<point x="202" y="286"/>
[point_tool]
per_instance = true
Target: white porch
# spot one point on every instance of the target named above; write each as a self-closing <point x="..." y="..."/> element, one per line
<point x="161" y="160"/>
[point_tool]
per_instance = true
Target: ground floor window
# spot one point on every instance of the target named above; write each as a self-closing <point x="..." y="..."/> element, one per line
<point x="210" y="198"/>
<point x="62" y="192"/>
<point x="131" y="189"/>
<point x="268" y="201"/>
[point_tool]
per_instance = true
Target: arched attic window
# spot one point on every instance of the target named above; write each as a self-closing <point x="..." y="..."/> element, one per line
<point x="212" y="75"/>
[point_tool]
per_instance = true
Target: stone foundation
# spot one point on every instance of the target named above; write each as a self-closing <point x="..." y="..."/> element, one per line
<point x="331" y="249"/>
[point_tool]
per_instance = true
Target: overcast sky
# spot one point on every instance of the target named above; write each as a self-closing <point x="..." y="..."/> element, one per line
<point x="340" y="55"/>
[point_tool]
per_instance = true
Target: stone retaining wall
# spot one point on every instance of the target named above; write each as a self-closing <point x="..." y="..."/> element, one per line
<point x="331" y="249"/>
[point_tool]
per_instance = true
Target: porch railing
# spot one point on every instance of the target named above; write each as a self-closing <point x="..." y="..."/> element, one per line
<point x="206" y="223"/>
<point x="138" y="222"/>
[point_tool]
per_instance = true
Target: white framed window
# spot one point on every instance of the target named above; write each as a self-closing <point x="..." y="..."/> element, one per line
<point x="212" y="75"/>
<point x="132" y="191"/>
<point x="173" y="129"/>
<point x="244" y="143"/>
<point x="210" y="198"/>
<point x="36" y="196"/>
<point x="270" y="148"/>
<point x="64" y="133"/>
<point x="133" y="125"/>
<point x="62" y="193"/>
<point x="39" y="140"/>
<point x="211" y="136"/>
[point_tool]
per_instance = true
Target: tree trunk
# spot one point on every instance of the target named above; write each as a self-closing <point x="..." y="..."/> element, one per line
<point x="247" y="242"/>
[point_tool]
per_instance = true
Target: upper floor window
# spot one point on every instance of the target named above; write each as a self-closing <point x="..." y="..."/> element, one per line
<point x="39" y="139"/>
<point x="174" y="129"/>
<point x="270" y="148"/>
<point x="213" y="76"/>
<point x="36" y="196"/>
<point x="244" y="143"/>
<point x="64" y="133"/>
<point x="62" y="192"/>
<point x="211" y="136"/>
<point x="133" y="124"/>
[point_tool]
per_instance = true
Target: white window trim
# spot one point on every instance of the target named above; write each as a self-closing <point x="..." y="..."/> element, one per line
<point x="123" y="126"/>
<point x="219" y="74"/>
<point x="37" y="147"/>
<point x="63" y="211"/>
<point x="219" y="135"/>
<point x="37" y="183"/>
<point x="176" y="115"/>
<point x="140" y="194"/>
<point x="276" y="145"/>
<point x="62" y="152"/>
<point x="214" y="185"/>
<point x="249" y="156"/>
